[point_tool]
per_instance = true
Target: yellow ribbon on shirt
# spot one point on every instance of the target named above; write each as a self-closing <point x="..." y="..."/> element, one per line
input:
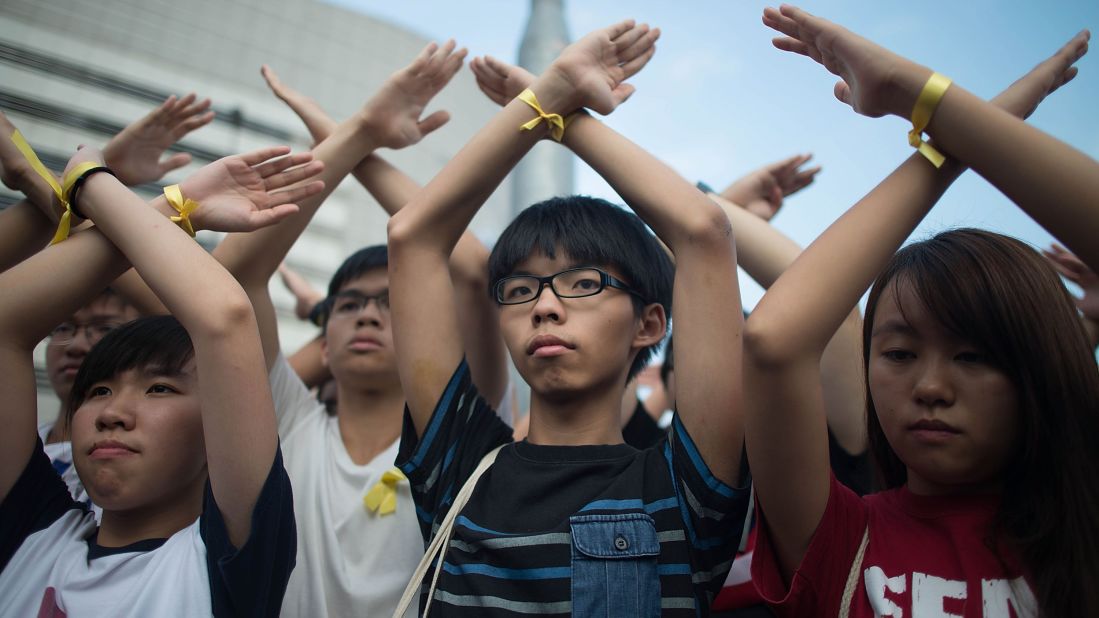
<point x="183" y="206"/>
<point x="555" y="121"/>
<point x="926" y="103"/>
<point x="382" y="498"/>
<point x="61" y="191"/>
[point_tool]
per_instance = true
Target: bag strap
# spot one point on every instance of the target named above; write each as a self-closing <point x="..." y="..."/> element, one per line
<point x="442" y="539"/>
<point x="853" y="575"/>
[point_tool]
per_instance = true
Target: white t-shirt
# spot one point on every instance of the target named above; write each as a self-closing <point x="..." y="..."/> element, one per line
<point x="52" y="565"/>
<point x="61" y="456"/>
<point x="351" y="561"/>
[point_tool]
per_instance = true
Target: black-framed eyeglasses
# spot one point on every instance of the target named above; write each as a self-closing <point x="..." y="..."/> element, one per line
<point x="65" y="332"/>
<point x="571" y="283"/>
<point x="350" y="302"/>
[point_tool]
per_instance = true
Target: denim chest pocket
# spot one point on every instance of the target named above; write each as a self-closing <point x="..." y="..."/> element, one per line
<point x="614" y="565"/>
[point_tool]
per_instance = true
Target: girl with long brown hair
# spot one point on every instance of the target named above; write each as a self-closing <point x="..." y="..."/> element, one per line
<point x="982" y="394"/>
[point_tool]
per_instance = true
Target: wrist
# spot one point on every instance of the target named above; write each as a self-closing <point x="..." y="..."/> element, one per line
<point x="905" y="83"/>
<point x="556" y="93"/>
<point x="365" y="127"/>
<point x="91" y="191"/>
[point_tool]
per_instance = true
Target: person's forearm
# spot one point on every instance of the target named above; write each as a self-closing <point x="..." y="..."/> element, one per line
<point x="761" y="250"/>
<point x="674" y="208"/>
<point x="132" y="288"/>
<point x="24" y="231"/>
<point x="51" y="285"/>
<point x="254" y="257"/>
<point x="1053" y="182"/>
<point x="800" y="312"/>
<point x="391" y="187"/>
<point x="440" y="213"/>
<point x="190" y="284"/>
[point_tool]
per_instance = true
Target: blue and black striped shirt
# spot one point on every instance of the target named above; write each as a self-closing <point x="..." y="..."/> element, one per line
<point x="560" y="530"/>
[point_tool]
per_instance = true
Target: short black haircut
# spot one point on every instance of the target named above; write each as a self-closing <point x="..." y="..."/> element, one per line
<point x="158" y="341"/>
<point x="355" y="266"/>
<point x="591" y="232"/>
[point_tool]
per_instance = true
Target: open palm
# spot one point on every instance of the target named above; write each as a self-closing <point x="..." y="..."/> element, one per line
<point x="245" y="192"/>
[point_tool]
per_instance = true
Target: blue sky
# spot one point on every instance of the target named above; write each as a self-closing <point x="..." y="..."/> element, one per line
<point x="718" y="100"/>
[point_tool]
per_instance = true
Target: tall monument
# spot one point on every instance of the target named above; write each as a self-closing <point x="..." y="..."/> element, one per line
<point x="547" y="170"/>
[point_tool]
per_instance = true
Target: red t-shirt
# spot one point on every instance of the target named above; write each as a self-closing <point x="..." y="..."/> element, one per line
<point x="926" y="557"/>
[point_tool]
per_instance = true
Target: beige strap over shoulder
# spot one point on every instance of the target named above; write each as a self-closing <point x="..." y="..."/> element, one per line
<point x="442" y="540"/>
<point x="853" y="575"/>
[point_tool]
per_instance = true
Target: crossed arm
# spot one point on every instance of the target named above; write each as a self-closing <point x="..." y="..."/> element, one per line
<point x="238" y="418"/>
<point x="786" y="335"/>
<point x="392" y="189"/>
<point x="391" y="118"/>
<point x="692" y="226"/>
<point x="134" y="155"/>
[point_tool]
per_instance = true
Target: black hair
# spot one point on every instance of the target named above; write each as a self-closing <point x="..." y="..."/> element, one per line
<point x="158" y="341"/>
<point x="591" y="232"/>
<point x="355" y="266"/>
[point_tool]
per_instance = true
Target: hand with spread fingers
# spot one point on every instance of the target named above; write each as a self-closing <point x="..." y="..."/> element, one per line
<point x="597" y="66"/>
<point x="501" y="82"/>
<point x="1073" y="269"/>
<point x="392" y="115"/>
<point x="246" y="192"/>
<point x="762" y="191"/>
<point x="875" y="81"/>
<point x="319" y="124"/>
<point x="135" y="153"/>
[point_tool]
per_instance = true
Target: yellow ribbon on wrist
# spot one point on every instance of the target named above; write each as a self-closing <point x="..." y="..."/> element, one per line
<point x="926" y="103"/>
<point x="183" y="206"/>
<point x="61" y="191"/>
<point x="382" y="498"/>
<point x="555" y="122"/>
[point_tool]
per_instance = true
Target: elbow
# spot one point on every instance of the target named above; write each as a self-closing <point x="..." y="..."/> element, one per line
<point x="230" y="315"/>
<point x="767" y="343"/>
<point x="401" y="230"/>
<point x="709" y="226"/>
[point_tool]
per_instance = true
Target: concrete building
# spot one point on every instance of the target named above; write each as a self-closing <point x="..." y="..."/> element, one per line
<point x="72" y="72"/>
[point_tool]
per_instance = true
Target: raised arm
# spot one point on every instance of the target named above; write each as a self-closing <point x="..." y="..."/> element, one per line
<point x="52" y="285"/>
<point x="423" y="234"/>
<point x="1053" y="182"/>
<point x="392" y="188"/>
<point x="18" y="175"/>
<point x="40" y="293"/>
<point x="24" y="231"/>
<point x="787" y="333"/>
<point x="391" y="118"/>
<point x="237" y="414"/>
<point x="765" y="253"/>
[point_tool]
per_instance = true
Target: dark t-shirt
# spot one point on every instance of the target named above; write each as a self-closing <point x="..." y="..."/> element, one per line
<point x="641" y="431"/>
<point x="554" y="530"/>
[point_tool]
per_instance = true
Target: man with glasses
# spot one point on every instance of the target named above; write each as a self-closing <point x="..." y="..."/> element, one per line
<point x="572" y="521"/>
<point x="66" y="348"/>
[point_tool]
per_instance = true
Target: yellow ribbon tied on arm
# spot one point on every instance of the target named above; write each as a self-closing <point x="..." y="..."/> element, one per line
<point x="926" y="103"/>
<point x="555" y="121"/>
<point x="382" y="498"/>
<point x="62" y="192"/>
<point x="183" y="206"/>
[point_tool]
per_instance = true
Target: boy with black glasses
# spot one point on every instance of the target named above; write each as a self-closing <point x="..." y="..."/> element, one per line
<point x="573" y="521"/>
